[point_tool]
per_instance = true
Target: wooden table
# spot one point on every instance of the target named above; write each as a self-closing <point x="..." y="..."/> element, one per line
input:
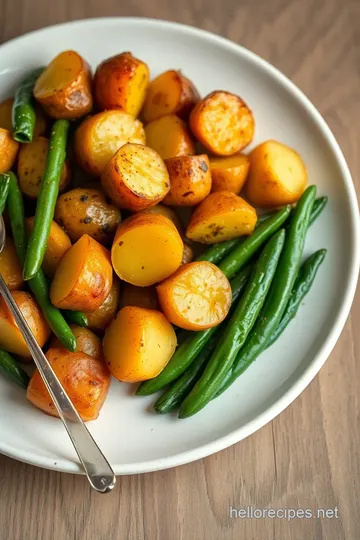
<point x="308" y="457"/>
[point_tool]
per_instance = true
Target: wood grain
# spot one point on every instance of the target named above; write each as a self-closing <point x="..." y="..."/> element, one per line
<point x="307" y="457"/>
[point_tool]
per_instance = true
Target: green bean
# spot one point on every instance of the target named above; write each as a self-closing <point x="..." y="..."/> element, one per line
<point x="23" y="112"/>
<point x="318" y="207"/>
<point x="75" y="317"/>
<point x="12" y="369"/>
<point x="4" y="190"/>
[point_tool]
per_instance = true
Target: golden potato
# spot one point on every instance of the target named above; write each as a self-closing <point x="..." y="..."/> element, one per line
<point x="147" y="248"/>
<point x="221" y="216"/>
<point x="167" y="212"/>
<point x="64" y="88"/>
<point x="6" y="117"/>
<point x="86" y="342"/>
<point x="138" y="344"/>
<point x="8" y="150"/>
<point x="58" y="244"/>
<point x="229" y="173"/>
<point x="223" y="123"/>
<point x="31" y="167"/>
<point x="86" y="381"/>
<point x="121" y="82"/>
<point x="277" y="175"/>
<point x="100" y="319"/>
<point x="171" y="92"/>
<point x="99" y="137"/>
<point x="169" y="136"/>
<point x="145" y="297"/>
<point x="135" y="177"/>
<point x="190" y="180"/>
<point x="10" y="267"/>
<point x="86" y="211"/>
<point x="83" y="278"/>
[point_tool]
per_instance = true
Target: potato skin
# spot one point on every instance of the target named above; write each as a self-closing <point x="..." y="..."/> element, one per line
<point x="41" y="121"/>
<point x="121" y="82"/>
<point x="169" y="136"/>
<point x="188" y="254"/>
<point x="144" y="297"/>
<point x="168" y="213"/>
<point x="223" y="123"/>
<point x="229" y="173"/>
<point x="100" y="319"/>
<point x="190" y="180"/>
<point x="85" y="379"/>
<point x="72" y="100"/>
<point x="8" y="150"/>
<point x="10" y="267"/>
<point x="138" y="344"/>
<point x="86" y="211"/>
<point x="86" y="342"/>
<point x="57" y="245"/>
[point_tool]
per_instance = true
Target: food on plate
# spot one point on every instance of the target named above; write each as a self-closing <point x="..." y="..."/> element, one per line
<point x="8" y="150"/>
<point x="170" y="137"/>
<point x="188" y="253"/>
<point x="86" y="342"/>
<point x="10" y="267"/>
<point x="23" y="110"/>
<point x="190" y="180"/>
<point x="147" y="248"/>
<point x="64" y="87"/>
<point x="100" y="319"/>
<point x="138" y="344"/>
<point x="87" y="211"/>
<point x="221" y="216"/>
<point x="121" y="82"/>
<point x="99" y="137"/>
<point x="83" y="278"/>
<point x="31" y="167"/>
<point x="170" y="213"/>
<point x="145" y="297"/>
<point x="277" y="175"/>
<point x="6" y="107"/>
<point x="223" y="123"/>
<point x="85" y="379"/>
<point x="12" y="369"/>
<point x="229" y="173"/>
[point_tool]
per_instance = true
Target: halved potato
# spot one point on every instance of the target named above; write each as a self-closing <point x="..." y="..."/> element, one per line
<point x="100" y="319"/>
<point x="229" y="173"/>
<point x="190" y="180"/>
<point x="86" y="342"/>
<point x="221" y="216"/>
<point x="8" y="150"/>
<point x="277" y="175"/>
<point x="121" y="82"/>
<point x="83" y="278"/>
<point x="145" y="297"/>
<point x="135" y="177"/>
<point x="171" y="92"/>
<point x="100" y="136"/>
<point x="6" y="117"/>
<point x="64" y="88"/>
<point x="10" y="267"/>
<point x="169" y="136"/>
<point x="223" y="123"/>
<point x="31" y="167"/>
<point x="167" y="212"/>
<point x="147" y="248"/>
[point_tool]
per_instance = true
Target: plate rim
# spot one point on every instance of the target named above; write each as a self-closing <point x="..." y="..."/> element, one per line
<point x="280" y="404"/>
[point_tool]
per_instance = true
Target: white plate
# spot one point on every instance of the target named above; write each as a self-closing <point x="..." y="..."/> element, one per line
<point x="133" y="438"/>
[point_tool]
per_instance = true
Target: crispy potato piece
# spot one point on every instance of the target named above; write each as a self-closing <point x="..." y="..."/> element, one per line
<point x="6" y="118"/>
<point x="196" y="297"/>
<point x="10" y="267"/>
<point x="135" y="177"/>
<point x="85" y="379"/>
<point x="8" y="150"/>
<point x="57" y="245"/>
<point x="99" y="137"/>
<point x="170" y="136"/>
<point x="145" y="297"/>
<point x="64" y="88"/>
<point x="86" y="211"/>
<point x="223" y="123"/>
<point x="190" y="180"/>
<point x="188" y="254"/>
<point x="10" y="336"/>
<point x="277" y="175"/>
<point x="229" y="173"/>
<point x="167" y="212"/>
<point x="171" y="92"/>
<point x="86" y="342"/>
<point x="147" y="248"/>
<point x="31" y="167"/>
<point x="138" y="344"/>
<point x="100" y="319"/>
<point x="83" y="278"/>
<point x="120" y="82"/>
<point x="221" y="216"/>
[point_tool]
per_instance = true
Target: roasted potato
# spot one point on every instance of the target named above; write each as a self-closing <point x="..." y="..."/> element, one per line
<point x="170" y="93"/>
<point x="86" y="211"/>
<point x="11" y="338"/>
<point x="57" y="245"/>
<point x="6" y="118"/>
<point x="135" y="177"/>
<point x="221" y="216"/>
<point x="83" y="278"/>
<point x="10" y="267"/>
<point x="145" y="297"/>
<point x="188" y="254"/>
<point x="100" y="136"/>
<point x="167" y="212"/>
<point x="64" y="88"/>
<point x="85" y="379"/>
<point x="190" y="180"/>
<point x="196" y="297"/>
<point x="31" y="167"/>
<point x="223" y="123"/>
<point x="100" y="319"/>
<point x="121" y="82"/>
<point x="8" y="150"/>
<point x="169" y="136"/>
<point x="277" y="175"/>
<point x="229" y="173"/>
<point x="138" y="344"/>
<point x="86" y="342"/>
<point x="147" y="248"/>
